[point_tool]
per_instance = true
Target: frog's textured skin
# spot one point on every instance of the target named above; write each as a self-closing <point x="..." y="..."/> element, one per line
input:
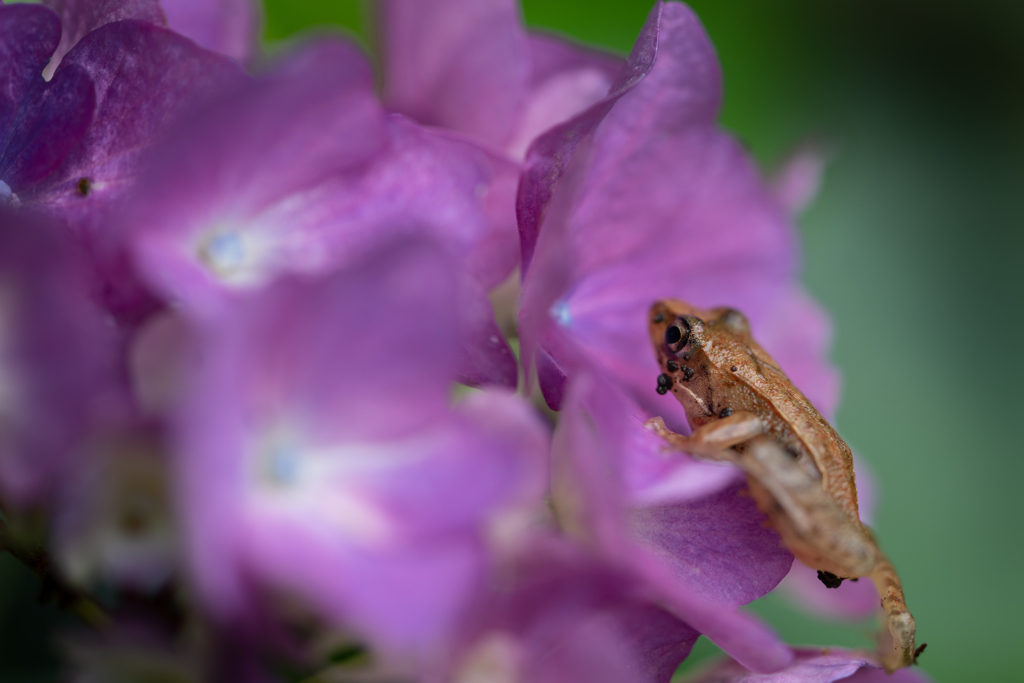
<point x="743" y="409"/>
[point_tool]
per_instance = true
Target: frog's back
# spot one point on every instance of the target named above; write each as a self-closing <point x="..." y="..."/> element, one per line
<point x="788" y="414"/>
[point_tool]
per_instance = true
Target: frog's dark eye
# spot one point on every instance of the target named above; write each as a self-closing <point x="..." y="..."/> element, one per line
<point x="677" y="334"/>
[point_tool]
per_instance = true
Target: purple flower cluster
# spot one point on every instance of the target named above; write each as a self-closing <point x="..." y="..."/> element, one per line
<point x="255" y="364"/>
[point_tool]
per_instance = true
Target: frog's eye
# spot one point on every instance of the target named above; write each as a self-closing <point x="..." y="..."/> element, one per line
<point x="677" y="334"/>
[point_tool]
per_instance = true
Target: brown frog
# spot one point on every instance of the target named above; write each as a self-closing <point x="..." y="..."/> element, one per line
<point x="742" y="409"/>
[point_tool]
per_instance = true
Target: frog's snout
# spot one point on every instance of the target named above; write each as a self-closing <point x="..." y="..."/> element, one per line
<point x="658" y="320"/>
<point x="659" y="313"/>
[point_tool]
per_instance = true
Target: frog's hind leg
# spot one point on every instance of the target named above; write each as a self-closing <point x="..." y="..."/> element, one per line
<point x="713" y="440"/>
<point x="896" y="645"/>
<point x="822" y="535"/>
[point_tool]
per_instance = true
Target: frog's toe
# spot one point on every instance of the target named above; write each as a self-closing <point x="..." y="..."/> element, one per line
<point x="656" y="425"/>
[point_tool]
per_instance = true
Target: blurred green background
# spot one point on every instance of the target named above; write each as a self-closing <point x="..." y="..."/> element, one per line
<point x="915" y="245"/>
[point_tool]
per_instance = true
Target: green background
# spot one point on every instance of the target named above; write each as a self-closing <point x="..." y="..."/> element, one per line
<point x="916" y="247"/>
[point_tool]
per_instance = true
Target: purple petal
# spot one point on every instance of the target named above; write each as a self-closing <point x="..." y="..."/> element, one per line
<point x="28" y="36"/>
<point x="53" y="119"/>
<point x="741" y="635"/>
<point x="810" y="666"/>
<point x="460" y="64"/>
<point x="79" y="17"/>
<point x="718" y="546"/>
<point x="56" y="357"/>
<point x="230" y="27"/>
<point x="146" y="79"/>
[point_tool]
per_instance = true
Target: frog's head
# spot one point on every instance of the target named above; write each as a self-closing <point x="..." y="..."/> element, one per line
<point x="679" y="329"/>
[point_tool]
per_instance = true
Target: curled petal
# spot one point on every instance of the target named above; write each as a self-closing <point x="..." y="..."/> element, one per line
<point x="684" y="90"/>
<point x="79" y="17"/>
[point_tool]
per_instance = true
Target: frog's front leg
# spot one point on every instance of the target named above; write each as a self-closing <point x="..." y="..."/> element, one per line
<point x="713" y="440"/>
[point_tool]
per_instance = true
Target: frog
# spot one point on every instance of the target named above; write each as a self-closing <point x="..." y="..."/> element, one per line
<point x="742" y="409"/>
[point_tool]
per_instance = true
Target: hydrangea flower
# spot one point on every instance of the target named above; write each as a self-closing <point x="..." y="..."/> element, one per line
<point x="265" y="425"/>
<point x="320" y="455"/>
<point x="302" y="172"/>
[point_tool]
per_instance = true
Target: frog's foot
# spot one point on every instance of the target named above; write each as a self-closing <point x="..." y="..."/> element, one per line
<point x="711" y="441"/>
<point x="896" y="646"/>
<point x="897" y="642"/>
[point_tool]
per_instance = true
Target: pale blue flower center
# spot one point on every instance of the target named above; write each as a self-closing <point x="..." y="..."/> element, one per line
<point x="560" y="312"/>
<point x="284" y="464"/>
<point x="225" y="252"/>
